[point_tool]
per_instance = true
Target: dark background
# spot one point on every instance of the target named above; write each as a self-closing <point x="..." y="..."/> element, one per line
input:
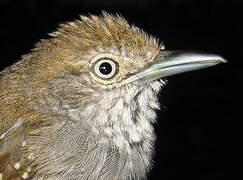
<point x="199" y="132"/>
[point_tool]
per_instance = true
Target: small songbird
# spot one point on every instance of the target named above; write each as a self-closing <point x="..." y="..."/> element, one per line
<point x="81" y="105"/>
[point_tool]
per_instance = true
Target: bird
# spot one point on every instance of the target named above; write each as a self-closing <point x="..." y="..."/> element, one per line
<point x="81" y="105"/>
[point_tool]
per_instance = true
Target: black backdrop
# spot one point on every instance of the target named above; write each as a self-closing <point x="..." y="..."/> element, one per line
<point x="199" y="132"/>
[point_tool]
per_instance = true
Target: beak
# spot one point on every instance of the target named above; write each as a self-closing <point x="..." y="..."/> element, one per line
<point x="169" y="63"/>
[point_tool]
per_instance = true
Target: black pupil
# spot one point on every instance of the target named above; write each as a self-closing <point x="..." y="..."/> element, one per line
<point x="105" y="68"/>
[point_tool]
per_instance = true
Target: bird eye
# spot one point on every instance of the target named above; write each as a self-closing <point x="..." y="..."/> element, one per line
<point x="105" y="68"/>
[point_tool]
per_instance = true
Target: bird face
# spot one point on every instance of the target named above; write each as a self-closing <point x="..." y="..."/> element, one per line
<point x="106" y="53"/>
<point x="81" y="104"/>
<point x="113" y="53"/>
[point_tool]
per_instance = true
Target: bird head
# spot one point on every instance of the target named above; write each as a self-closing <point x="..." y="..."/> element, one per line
<point x="103" y="53"/>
